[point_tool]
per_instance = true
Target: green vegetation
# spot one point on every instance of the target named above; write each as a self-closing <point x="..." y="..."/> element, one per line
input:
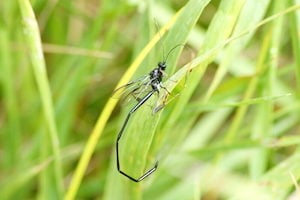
<point x="230" y="129"/>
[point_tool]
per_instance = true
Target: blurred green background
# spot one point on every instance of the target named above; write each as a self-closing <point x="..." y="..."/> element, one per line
<point x="230" y="129"/>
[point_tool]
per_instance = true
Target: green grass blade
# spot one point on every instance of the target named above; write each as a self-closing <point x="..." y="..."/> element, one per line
<point x="33" y="42"/>
<point x="294" y="22"/>
<point x="12" y="133"/>
<point x="246" y="19"/>
<point x="229" y="13"/>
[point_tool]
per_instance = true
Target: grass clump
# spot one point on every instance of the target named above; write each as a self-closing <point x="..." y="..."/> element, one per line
<point x="229" y="130"/>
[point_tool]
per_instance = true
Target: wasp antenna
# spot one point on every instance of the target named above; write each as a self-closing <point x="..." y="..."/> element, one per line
<point x="172" y="50"/>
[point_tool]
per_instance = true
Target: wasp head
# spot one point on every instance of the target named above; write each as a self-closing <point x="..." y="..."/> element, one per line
<point x="162" y="66"/>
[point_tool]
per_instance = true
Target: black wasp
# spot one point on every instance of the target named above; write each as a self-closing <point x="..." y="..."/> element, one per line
<point x="141" y="90"/>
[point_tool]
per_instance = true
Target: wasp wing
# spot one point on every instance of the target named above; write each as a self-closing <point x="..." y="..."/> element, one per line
<point x="134" y="89"/>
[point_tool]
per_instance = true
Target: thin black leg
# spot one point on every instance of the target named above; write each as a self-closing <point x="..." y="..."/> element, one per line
<point x="150" y="171"/>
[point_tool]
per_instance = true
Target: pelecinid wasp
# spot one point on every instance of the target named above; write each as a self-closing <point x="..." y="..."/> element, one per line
<point x="147" y="85"/>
